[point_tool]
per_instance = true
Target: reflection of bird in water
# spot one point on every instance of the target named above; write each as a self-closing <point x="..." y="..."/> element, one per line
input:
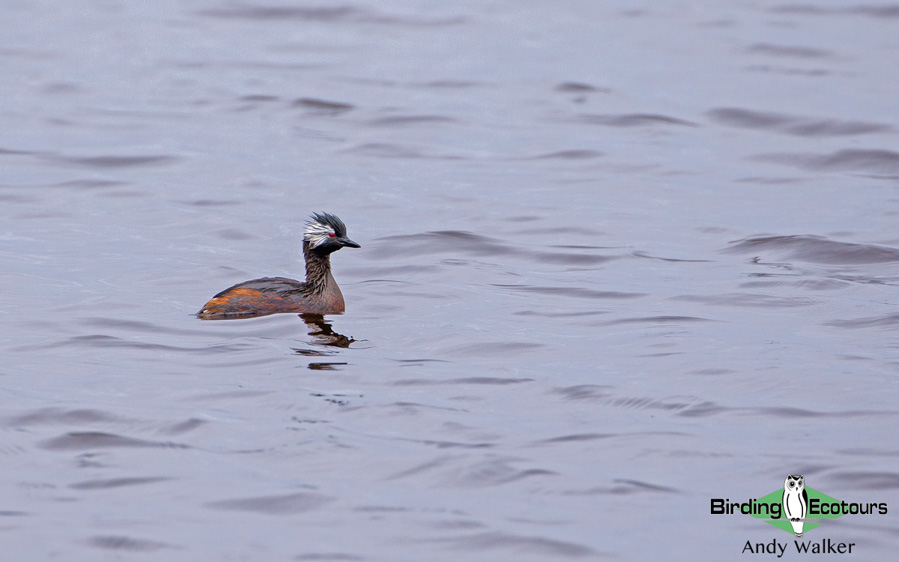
<point x="323" y="333"/>
<point x="325" y="234"/>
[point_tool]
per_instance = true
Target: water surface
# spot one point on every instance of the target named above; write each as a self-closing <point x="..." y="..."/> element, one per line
<point x="616" y="260"/>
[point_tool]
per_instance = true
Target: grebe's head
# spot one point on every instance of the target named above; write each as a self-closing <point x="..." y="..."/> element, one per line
<point x="325" y="233"/>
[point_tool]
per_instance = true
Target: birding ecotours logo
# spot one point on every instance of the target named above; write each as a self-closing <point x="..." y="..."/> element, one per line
<point x="795" y="508"/>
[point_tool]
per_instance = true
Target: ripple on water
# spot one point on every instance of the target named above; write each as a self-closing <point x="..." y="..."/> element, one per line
<point x="876" y="163"/>
<point x="60" y="416"/>
<point x="562" y="314"/>
<point x="179" y="428"/>
<point x="258" y="98"/>
<point x="286" y="504"/>
<point x="870" y="10"/>
<point x="779" y="281"/>
<point x="326" y="14"/>
<point x="110" y="161"/>
<point x="884" y="321"/>
<point x="502" y="348"/>
<point x="323" y="107"/>
<point x="104" y="341"/>
<point x="328" y="557"/>
<point x="392" y="150"/>
<point x="467" y="243"/>
<point x="655" y="320"/>
<point x="83" y="440"/>
<point x="531" y="545"/>
<point x="816" y="249"/>
<point x="645" y="255"/>
<point x="576" y="437"/>
<point x="454" y="84"/>
<point x="789" y="51"/>
<point x="473" y="472"/>
<point x="709" y="408"/>
<point x="633" y="120"/>
<point x="868" y="480"/>
<point x="580" y="88"/>
<point x="462" y="380"/>
<point x="604" y="394"/>
<point x="792" y="125"/>
<point x="751" y="300"/>
<point x="573" y="292"/>
<point x="693" y="406"/>
<point x="15" y="152"/>
<point x="129" y="544"/>
<point x="443" y="444"/>
<point x="88" y="184"/>
<point x="116" y="483"/>
<point x="623" y="487"/>
<point x="410" y="120"/>
<point x="574" y="154"/>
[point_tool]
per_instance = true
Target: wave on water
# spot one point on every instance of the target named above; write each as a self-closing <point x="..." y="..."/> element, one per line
<point x="793" y="125"/>
<point x="815" y="249"/>
<point x="873" y="162"/>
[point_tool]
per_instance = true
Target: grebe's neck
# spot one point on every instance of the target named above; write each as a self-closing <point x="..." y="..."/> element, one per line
<point x="318" y="269"/>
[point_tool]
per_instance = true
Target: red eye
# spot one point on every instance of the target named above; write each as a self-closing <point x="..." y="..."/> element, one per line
<point x="331" y="235"/>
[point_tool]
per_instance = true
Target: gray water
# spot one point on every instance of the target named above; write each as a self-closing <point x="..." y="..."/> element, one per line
<point x="617" y="259"/>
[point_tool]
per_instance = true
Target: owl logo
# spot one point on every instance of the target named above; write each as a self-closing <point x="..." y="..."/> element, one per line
<point x="795" y="501"/>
